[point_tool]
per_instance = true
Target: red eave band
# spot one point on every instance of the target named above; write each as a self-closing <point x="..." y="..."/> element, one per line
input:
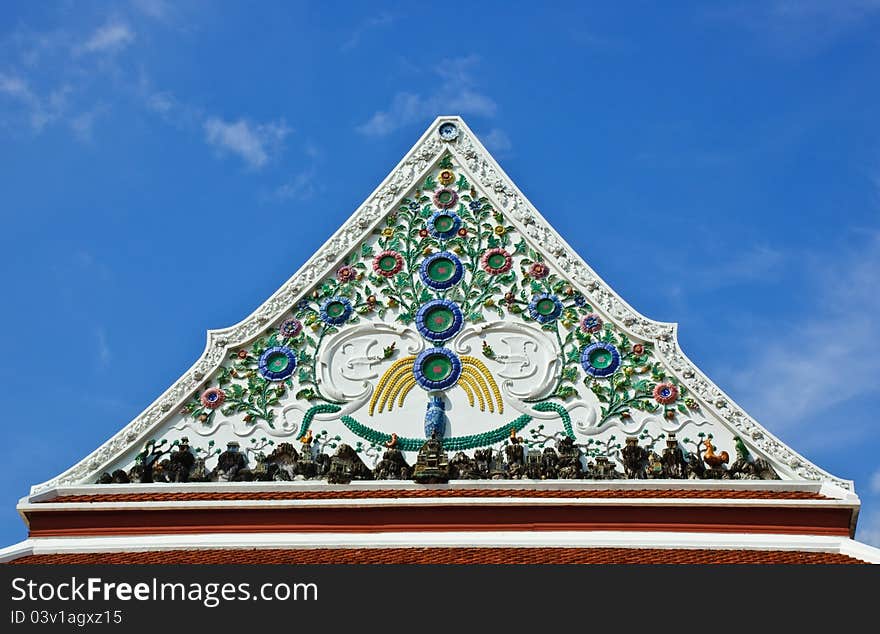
<point x="471" y="517"/>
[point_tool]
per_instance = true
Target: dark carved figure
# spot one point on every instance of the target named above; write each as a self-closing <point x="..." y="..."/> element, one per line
<point x="497" y="467"/>
<point x="136" y="474"/>
<point x="159" y="473"/>
<point x="533" y="464"/>
<point x="120" y="477"/>
<point x="483" y="460"/>
<point x="634" y="458"/>
<point x="603" y="469"/>
<point x="180" y="462"/>
<point x="199" y="473"/>
<point x="516" y="456"/>
<point x="432" y="464"/>
<point x="463" y="467"/>
<point x="674" y="464"/>
<point x="549" y="463"/>
<point x="346" y="465"/>
<point x="323" y="463"/>
<point x="764" y="470"/>
<point x="279" y="465"/>
<point x="392" y="466"/>
<point x="231" y="464"/>
<point x="695" y="468"/>
<point x="146" y="463"/>
<point x="569" y="466"/>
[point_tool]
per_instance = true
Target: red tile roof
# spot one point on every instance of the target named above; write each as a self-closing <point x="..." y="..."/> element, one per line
<point x="440" y="493"/>
<point x="448" y="556"/>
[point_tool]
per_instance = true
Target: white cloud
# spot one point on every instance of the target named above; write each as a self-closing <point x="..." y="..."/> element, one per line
<point x="156" y="9"/>
<point x="253" y="143"/>
<point x="161" y="102"/>
<point x="39" y="111"/>
<point x="757" y="262"/>
<point x="104" y="354"/>
<point x="16" y="87"/>
<point x="795" y="377"/>
<point x="112" y="37"/>
<point x="795" y="28"/>
<point x="874" y="484"/>
<point x="868" y="530"/>
<point x="301" y="187"/>
<point x="375" y="22"/>
<point x="82" y="124"/>
<point x="497" y="141"/>
<point x="455" y="94"/>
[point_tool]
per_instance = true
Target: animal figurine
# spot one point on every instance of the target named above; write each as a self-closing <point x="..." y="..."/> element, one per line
<point x="713" y="459"/>
<point x="435" y="417"/>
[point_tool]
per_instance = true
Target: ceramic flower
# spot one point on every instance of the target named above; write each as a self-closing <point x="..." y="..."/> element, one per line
<point x="665" y="393"/>
<point x="346" y="273"/>
<point x="290" y="328"/>
<point x="336" y="311"/>
<point x="496" y="261"/>
<point x="545" y="308"/>
<point x="591" y="323"/>
<point x="445" y="198"/>
<point x="388" y="263"/>
<point x="600" y="359"/>
<point x="539" y="270"/>
<point x="444" y="224"/>
<point x="213" y="397"/>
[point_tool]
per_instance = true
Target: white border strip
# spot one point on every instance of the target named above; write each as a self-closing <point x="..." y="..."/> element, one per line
<point x="812" y="486"/>
<point x="425" y="502"/>
<point x="554" y="539"/>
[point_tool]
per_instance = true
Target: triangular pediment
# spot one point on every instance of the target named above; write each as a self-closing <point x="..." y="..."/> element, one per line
<point x="447" y="303"/>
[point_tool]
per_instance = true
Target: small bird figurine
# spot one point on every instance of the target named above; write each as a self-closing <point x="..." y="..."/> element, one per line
<point x="742" y="452"/>
<point x="306" y="438"/>
<point x="713" y="459"/>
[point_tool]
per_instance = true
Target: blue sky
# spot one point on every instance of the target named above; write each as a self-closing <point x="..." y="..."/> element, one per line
<point x="167" y="166"/>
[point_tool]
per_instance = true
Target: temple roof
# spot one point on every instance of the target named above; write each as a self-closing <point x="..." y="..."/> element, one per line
<point x="445" y="351"/>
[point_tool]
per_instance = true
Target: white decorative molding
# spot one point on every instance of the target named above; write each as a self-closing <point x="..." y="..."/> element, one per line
<point x="483" y="539"/>
<point x="529" y="359"/>
<point x="355" y="352"/>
